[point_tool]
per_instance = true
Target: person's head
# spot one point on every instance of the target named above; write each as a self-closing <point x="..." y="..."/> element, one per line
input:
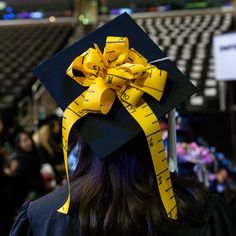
<point x="222" y="175"/>
<point x="54" y="124"/>
<point x="113" y="190"/>
<point x="24" y="142"/>
<point x="119" y="195"/>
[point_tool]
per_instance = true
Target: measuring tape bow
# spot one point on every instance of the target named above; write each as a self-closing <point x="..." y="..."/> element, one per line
<point x="120" y="72"/>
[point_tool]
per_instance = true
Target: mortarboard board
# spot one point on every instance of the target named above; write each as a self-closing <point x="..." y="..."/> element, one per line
<point x="106" y="133"/>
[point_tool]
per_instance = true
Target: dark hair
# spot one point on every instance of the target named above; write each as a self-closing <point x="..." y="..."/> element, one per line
<point x="119" y="195"/>
<point x="18" y="138"/>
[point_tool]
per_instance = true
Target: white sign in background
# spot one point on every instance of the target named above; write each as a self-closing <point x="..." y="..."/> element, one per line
<point x="225" y="56"/>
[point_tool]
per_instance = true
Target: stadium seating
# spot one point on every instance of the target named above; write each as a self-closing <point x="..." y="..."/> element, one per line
<point x="187" y="40"/>
<point x="22" y="47"/>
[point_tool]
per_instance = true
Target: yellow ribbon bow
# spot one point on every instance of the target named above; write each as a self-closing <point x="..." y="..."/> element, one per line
<point x="120" y="72"/>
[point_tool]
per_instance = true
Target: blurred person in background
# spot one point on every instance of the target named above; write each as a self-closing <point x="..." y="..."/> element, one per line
<point x="8" y="200"/>
<point x="24" y="165"/>
<point x="5" y="147"/>
<point x="48" y="142"/>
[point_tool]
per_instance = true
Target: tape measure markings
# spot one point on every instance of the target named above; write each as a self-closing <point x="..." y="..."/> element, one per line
<point x="74" y="112"/>
<point x="149" y="114"/>
<point x="132" y="65"/>
<point x="151" y="67"/>
<point x="150" y="74"/>
<point x="163" y="159"/>
<point x="118" y="76"/>
<point x="162" y="171"/>
<point x="171" y="210"/>
<point x="153" y="133"/>
<point x="91" y="91"/>
<point x="114" y="42"/>
<point x="161" y="151"/>
<point x="133" y="50"/>
<point x="169" y="189"/>
<point x="64" y="148"/>
<point x="130" y="59"/>
<point x="112" y="60"/>
<point x="82" y="60"/>
<point x="93" y="111"/>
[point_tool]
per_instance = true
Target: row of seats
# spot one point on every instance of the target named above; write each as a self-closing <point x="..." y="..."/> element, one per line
<point x="187" y="40"/>
<point x="22" y="47"/>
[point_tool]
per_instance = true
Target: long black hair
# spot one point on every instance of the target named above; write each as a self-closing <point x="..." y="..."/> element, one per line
<point x="119" y="195"/>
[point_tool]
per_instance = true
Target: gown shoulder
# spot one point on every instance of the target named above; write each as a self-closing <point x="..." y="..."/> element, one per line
<point x="40" y="217"/>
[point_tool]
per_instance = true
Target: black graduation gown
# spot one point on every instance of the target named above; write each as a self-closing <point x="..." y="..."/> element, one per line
<point x="40" y="218"/>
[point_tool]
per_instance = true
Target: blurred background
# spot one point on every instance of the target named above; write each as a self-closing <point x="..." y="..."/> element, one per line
<point x="31" y="31"/>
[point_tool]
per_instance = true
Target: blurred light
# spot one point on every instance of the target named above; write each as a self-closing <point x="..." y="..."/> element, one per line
<point x="121" y="10"/>
<point x="36" y="15"/>
<point x="3" y="5"/>
<point x="194" y="5"/>
<point x="114" y="11"/>
<point x="9" y="9"/>
<point x="164" y="8"/>
<point x="52" y="18"/>
<point x="177" y="114"/>
<point x="59" y="112"/>
<point x="220" y="188"/>
<point x="104" y="9"/>
<point x="81" y="17"/>
<point x="24" y="15"/>
<point x="127" y="10"/>
<point x="9" y="16"/>
<point x="85" y="21"/>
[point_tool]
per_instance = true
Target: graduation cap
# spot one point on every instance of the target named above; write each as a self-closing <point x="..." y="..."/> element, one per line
<point x="106" y="133"/>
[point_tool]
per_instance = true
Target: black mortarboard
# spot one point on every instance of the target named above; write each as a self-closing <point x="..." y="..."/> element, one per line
<point x="118" y="126"/>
